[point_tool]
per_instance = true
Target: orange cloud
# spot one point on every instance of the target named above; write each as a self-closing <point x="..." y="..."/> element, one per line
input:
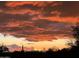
<point x="35" y="3"/>
<point x="19" y="23"/>
<point x="22" y="11"/>
<point x="14" y="4"/>
<point x="61" y="19"/>
<point x="39" y="14"/>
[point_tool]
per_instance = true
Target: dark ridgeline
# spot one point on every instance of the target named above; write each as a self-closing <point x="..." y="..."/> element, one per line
<point x="64" y="53"/>
<point x="73" y="52"/>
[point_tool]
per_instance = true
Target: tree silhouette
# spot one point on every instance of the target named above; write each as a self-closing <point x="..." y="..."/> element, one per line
<point x="76" y="33"/>
<point x="3" y="49"/>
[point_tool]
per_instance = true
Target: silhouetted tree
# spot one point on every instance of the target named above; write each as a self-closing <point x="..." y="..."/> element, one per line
<point x="49" y="50"/>
<point x="76" y="33"/>
<point x="3" y="49"/>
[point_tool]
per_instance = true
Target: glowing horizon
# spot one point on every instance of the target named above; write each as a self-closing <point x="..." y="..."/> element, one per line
<point x="57" y="44"/>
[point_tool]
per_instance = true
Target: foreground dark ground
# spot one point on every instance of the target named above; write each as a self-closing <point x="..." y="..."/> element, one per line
<point x="65" y="53"/>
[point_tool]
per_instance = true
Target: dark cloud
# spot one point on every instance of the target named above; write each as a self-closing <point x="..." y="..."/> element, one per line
<point x="39" y="27"/>
<point x="69" y="8"/>
<point x="32" y="18"/>
<point x="2" y="3"/>
<point x="11" y="17"/>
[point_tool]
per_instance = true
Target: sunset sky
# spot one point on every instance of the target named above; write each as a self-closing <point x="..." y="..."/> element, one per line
<point x="38" y="24"/>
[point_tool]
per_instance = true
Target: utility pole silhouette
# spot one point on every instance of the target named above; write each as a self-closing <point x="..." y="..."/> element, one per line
<point x="32" y="48"/>
<point x="22" y="49"/>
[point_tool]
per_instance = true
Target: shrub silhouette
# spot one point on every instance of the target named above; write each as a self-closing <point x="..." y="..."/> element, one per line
<point x="3" y="49"/>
